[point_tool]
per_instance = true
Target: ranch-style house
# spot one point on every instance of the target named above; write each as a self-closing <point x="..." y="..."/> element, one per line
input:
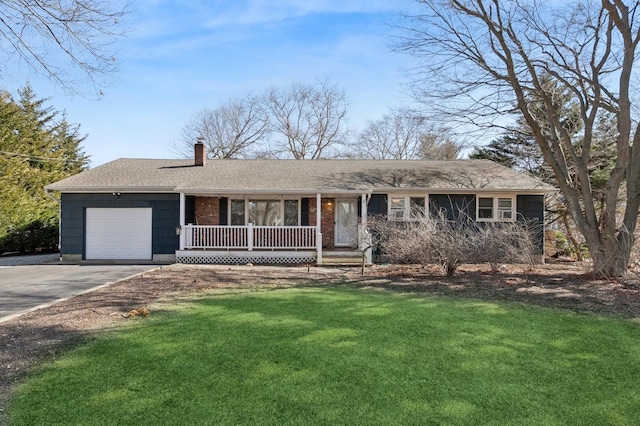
<point x="273" y="211"/>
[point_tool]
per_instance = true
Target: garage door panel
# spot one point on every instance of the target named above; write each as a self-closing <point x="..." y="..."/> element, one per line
<point x="118" y="233"/>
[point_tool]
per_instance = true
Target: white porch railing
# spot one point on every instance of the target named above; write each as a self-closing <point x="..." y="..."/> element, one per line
<point x="249" y="237"/>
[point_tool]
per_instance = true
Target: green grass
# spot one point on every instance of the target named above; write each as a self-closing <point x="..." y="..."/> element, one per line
<point x="344" y="356"/>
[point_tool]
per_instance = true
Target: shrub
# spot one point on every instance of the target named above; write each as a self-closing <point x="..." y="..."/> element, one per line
<point x="449" y="243"/>
<point x="499" y="243"/>
<point x="32" y="237"/>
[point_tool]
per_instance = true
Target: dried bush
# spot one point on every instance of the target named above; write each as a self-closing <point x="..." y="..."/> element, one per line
<point x="449" y="243"/>
<point x="503" y="242"/>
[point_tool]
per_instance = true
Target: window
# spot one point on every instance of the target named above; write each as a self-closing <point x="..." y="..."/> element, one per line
<point x="495" y="209"/>
<point x="237" y="212"/>
<point x="291" y="212"/>
<point x="406" y="208"/>
<point x="505" y="209"/>
<point x="265" y="212"/>
<point x="397" y="208"/>
<point x="485" y="208"/>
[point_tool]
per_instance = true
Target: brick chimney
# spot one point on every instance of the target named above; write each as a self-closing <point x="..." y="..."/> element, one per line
<point x="200" y="153"/>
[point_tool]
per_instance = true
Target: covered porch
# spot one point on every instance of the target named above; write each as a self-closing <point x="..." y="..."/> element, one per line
<point x="327" y="229"/>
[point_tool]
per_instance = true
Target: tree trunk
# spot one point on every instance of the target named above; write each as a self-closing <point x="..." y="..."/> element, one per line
<point x="572" y="238"/>
<point x="450" y="268"/>
<point x="611" y="258"/>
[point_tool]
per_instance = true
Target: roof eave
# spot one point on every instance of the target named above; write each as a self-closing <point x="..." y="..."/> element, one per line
<point x="218" y="192"/>
<point x="204" y="191"/>
<point x="100" y="189"/>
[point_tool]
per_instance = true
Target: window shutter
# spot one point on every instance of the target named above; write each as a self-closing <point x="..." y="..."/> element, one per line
<point x="224" y="203"/>
<point x="304" y="212"/>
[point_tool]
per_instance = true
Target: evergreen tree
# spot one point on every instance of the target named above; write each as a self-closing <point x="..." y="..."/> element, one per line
<point x="516" y="150"/>
<point x="38" y="146"/>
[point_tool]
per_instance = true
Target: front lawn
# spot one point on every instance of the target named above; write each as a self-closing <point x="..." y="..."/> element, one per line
<point x="344" y="356"/>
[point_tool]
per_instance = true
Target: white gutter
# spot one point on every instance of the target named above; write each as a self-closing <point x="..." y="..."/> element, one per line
<point x="110" y="189"/>
<point x="360" y="191"/>
<point x="295" y="191"/>
<point x="249" y="191"/>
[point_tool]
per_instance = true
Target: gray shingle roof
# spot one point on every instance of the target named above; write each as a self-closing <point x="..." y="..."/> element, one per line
<point x="299" y="176"/>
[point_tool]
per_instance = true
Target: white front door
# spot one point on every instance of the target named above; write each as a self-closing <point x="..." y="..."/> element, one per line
<point x="346" y="223"/>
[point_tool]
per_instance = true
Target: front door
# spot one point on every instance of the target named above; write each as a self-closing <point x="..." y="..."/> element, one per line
<point x="346" y="223"/>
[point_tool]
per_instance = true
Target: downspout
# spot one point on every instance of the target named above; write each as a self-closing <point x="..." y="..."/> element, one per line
<point x="182" y="221"/>
<point x="59" y="202"/>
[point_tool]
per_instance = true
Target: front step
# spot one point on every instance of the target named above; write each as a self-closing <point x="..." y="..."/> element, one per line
<point x="349" y="258"/>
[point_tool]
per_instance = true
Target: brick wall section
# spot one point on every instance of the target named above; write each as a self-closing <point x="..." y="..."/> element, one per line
<point x="207" y="210"/>
<point x="326" y="218"/>
<point x="328" y="222"/>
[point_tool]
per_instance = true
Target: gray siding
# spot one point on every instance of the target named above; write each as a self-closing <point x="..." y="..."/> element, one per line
<point x="530" y="208"/>
<point x="377" y="205"/>
<point x="165" y="218"/>
<point x="454" y="205"/>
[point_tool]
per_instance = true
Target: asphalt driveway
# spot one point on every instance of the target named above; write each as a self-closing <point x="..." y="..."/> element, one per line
<point x="29" y="282"/>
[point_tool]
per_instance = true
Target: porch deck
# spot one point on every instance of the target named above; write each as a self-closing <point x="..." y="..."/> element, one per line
<point x="235" y="245"/>
<point x="250" y="237"/>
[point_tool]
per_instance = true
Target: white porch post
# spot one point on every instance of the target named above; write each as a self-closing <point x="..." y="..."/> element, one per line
<point x="250" y="236"/>
<point x="363" y="210"/>
<point x="319" y="230"/>
<point x="182" y="216"/>
<point x="364" y="202"/>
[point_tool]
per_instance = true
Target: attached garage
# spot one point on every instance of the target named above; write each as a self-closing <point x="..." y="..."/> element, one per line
<point x="118" y="233"/>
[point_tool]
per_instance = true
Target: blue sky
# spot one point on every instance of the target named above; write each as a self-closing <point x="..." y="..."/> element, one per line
<point x="183" y="56"/>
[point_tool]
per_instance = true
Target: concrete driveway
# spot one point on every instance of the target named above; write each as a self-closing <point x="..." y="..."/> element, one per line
<point x="30" y="282"/>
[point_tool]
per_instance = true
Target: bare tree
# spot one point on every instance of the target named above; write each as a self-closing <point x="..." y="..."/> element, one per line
<point x="307" y="121"/>
<point x="37" y="32"/>
<point x="439" y="145"/>
<point x="395" y="136"/>
<point x="483" y="57"/>
<point x="232" y="130"/>
<point x="404" y="134"/>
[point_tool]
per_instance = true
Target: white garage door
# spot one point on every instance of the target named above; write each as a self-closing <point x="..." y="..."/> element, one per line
<point x="118" y="233"/>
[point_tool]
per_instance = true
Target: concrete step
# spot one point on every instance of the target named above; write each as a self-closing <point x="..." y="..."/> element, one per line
<point x="342" y="260"/>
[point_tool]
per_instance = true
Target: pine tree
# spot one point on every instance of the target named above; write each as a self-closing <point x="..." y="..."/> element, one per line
<point x="38" y="146"/>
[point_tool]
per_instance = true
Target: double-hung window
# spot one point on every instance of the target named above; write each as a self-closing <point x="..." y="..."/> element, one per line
<point x="495" y="209"/>
<point x="291" y="213"/>
<point x="238" y="213"/>
<point x="397" y="208"/>
<point x="406" y="208"/>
